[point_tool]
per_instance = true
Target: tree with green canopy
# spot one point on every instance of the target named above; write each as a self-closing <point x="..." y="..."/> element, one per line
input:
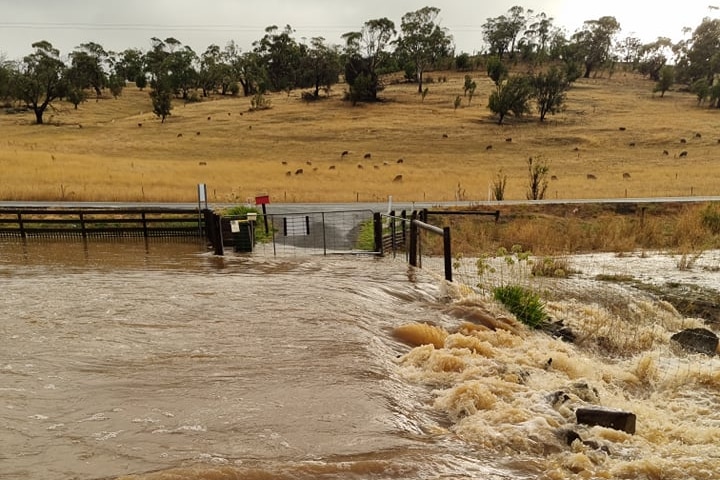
<point x="422" y="41"/>
<point x="40" y="79"/>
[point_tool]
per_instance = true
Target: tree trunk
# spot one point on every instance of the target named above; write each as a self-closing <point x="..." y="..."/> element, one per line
<point x="420" y="81"/>
<point x="39" y="115"/>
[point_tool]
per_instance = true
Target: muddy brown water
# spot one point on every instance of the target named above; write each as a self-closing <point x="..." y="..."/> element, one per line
<point x="162" y="361"/>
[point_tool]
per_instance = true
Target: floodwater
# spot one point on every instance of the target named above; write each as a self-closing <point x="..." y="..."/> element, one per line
<point x="161" y="361"/>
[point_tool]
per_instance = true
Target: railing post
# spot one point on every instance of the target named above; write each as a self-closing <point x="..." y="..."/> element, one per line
<point x="413" y="240"/>
<point x="82" y="225"/>
<point x="21" y="225"/>
<point x="447" y="251"/>
<point x="144" y="224"/>
<point x="377" y="232"/>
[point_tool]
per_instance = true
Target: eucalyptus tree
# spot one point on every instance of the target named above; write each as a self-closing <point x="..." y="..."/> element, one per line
<point x="171" y="65"/>
<point x="538" y="35"/>
<point x="366" y="55"/>
<point x="88" y="67"/>
<point x="130" y="66"/>
<point x="244" y="68"/>
<point x="422" y="41"/>
<point x="652" y="57"/>
<point x="321" y="66"/>
<point x="40" y="79"/>
<point x="282" y="58"/>
<point x="594" y="42"/>
<point x="699" y="56"/>
<point x="212" y="69"/>
<point x="502" y="33"/>
<point x="5" y="71"/>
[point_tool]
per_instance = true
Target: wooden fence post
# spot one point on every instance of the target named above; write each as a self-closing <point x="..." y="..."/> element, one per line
<point x="413" y="239"/>
<point x="447" y="247"/>
<point x="377" y="230"/>
<point x="214" y="232"/>
<point x="21" y="225"/>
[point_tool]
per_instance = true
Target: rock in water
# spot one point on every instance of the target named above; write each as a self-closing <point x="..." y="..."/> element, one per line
<point x="697" y="340"/>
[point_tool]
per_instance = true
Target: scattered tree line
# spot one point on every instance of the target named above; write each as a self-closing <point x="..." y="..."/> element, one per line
<point x="279" y="62"/>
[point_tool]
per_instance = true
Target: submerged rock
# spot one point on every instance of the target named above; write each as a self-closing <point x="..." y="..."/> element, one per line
<point x="559" y="330"/>
<point x="697" y="340"/>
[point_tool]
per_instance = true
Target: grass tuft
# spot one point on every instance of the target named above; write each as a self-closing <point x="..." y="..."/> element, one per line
<point x="523" y="303"/>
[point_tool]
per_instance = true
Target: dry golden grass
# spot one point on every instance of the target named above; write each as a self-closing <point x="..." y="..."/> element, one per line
<point x="570" y="229"/>
<point x="99" y="152"/>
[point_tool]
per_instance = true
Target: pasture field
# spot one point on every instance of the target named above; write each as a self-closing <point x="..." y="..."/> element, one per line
<point x="614" y="139"/>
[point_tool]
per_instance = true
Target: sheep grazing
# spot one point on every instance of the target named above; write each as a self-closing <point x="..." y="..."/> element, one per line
<point x="197" y="133"/>
<point x="400" y="160"/>
<point x="553" y="177"/>
<point x="139" y="124"/>
<point x="284" y="162"/>
<point x="332" y="167"/>
<point x="665" y="152"/>
<point x="684" y="153"/>
<point x="698" y="135"/>
<point x="489" y="147"/>
<point x="631" y="144"/>
<point x="202" y="164"/>
<point x="299" y="171"/>
<point x="376" y="167"/>
<point x="590" y="176"/>
<point x="308" y="162"/>
<point x="179" y="135"/>
<point x="367" y="155"/>
<point x="626" y="175"/>
<point x="360" y="166"/>
<point x="344" y="154"/>
<point x="682" y="140"/>
<point x="445" y="135"/>
<point x="209" y="118"/>
<point x="622" y="129"/>
<point x="288" y="173"/>
<point x="398" y="178"/>
<point x="508" y="139"/>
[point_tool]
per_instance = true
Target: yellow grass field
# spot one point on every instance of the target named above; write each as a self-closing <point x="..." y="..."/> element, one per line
<point x="614" y="129"/>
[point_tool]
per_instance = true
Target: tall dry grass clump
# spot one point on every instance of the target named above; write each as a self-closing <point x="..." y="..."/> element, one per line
<point x="558" y="230"/>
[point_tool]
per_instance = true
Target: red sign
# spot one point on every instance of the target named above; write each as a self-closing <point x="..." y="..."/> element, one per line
<point x="262" y="199"/>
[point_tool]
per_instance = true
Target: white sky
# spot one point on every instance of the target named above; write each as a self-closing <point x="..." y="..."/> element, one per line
<point x="117" y="25"/>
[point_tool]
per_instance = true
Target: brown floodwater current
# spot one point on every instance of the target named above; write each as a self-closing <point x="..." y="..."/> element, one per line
<point x="162" y="361"/>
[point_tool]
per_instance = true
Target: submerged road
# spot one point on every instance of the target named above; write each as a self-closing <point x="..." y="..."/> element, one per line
<point x="277" y="208"/>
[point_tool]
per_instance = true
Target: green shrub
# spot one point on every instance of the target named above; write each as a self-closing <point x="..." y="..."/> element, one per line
<point x="523" y="303"/>
<point x="241" y="211"/>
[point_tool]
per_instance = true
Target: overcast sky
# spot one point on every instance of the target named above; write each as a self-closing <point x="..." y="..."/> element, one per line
<point x="117" y="25"/>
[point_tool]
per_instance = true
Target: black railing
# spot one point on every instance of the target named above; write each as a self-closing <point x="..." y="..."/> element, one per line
<point x="101" y="223"/>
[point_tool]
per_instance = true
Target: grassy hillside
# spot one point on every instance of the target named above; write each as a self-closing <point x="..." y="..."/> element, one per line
<point x="613" y="129"/>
